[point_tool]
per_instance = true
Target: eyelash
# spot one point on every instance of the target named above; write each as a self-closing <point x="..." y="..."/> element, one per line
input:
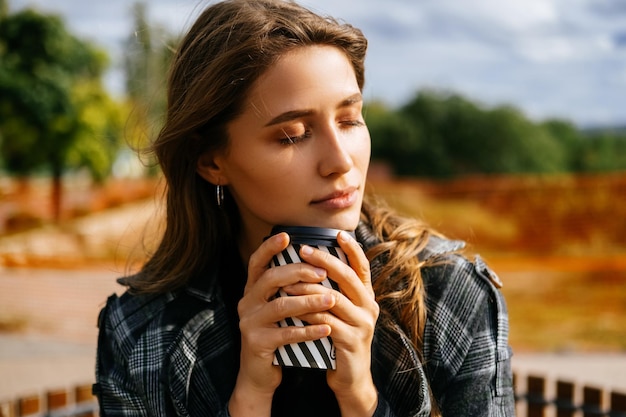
<point x="353" y="123"/>
<point x="292" y="140"/>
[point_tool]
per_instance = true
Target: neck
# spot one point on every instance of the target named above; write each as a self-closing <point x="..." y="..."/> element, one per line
<point x="245" y="251"/>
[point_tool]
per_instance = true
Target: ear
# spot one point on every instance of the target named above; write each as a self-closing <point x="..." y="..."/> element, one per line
<point x="210" y="167"/>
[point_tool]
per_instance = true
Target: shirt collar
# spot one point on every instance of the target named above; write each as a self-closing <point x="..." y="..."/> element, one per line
<point x="204" y="286"/>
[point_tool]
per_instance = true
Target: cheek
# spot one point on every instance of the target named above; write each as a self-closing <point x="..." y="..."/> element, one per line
<point x="363" y="150"/>
<point x="261" y="172"/>
<point x="269" y="197"/>
<point x="258" y="179"/>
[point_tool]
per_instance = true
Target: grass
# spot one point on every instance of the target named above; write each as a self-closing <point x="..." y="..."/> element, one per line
<point x="565" y="311"/>
<point x="12" y="323"/>
<point x="556" y="243"/>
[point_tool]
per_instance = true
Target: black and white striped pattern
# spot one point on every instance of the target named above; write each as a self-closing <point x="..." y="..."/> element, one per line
<point x="312" y="354"/>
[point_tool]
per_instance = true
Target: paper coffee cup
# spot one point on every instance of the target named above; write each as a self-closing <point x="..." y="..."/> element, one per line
<point x="319" y="353"/>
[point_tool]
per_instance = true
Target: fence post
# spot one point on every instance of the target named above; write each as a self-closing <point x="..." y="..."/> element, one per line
<point x="536" y="399"/>
<point x="7" y="409"/>
<point x="593" y="404"/>
<point x="28" y="405"/>
<point x="56" y="399"/>
<point x="519" y="394"/>
<point x="83" y="395"/>
<point x="565" y="406"/>
<point x="618" y="405"/>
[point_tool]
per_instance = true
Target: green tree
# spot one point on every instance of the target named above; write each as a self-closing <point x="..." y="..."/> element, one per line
<point x="604" y="151"/>
<point x="428" y="113"/>
<point x="441" y="134"/>
<point x="571" y="139"/>
<point x="462" y="137"/>
<point x="42" y="71"/>
<point x="100" y="123"/>
<point x="460" y="132"/>
<point x="395" y="140"/>
<point x="510" y="143"/>
<point x="148" y="53"/>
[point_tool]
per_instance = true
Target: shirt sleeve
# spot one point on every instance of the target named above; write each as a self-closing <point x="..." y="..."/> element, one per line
<point x="398" y="373"/>
<point x="115" y="392"/>
<point x="382" y="408"/>
<point x="477" y="379"/>
<point x="483" y="385"/>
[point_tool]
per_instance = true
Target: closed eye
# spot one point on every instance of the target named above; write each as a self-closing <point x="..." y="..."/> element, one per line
<point x="352" y="123"/>
<point x="292" y="140"/>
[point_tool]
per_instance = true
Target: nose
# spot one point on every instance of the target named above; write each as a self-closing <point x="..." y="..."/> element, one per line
<point x="334" y="155"/>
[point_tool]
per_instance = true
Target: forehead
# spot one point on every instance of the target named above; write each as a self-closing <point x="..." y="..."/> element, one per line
<point x="302" y="78"/>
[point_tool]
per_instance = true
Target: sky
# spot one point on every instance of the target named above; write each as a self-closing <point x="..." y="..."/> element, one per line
<point x="550" y="58"/>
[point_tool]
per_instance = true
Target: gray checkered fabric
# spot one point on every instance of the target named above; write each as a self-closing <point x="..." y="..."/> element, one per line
<point x="176" y="354"/>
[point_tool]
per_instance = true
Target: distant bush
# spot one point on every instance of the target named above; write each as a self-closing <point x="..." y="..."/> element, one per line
<point x="440" y="134"/>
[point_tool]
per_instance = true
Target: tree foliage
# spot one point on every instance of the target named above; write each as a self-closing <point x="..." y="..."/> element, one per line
<point x="100" y="121"/>
<point x="604" y="151"/>
<point x="406" y="141"/>
<point x="440" y="134"/>
<point x="52" y="103"/>
<point x="148" y="52"/>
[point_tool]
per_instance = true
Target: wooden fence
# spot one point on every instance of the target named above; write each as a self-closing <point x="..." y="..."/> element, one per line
<point x="535" y="396"/>
<point x="75" y="402"/>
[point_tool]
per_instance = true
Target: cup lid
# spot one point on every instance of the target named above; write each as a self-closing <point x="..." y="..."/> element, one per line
<point x="309" y="234"/>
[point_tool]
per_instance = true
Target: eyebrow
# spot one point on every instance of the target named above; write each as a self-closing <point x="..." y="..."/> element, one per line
<point x="296" y="114"/>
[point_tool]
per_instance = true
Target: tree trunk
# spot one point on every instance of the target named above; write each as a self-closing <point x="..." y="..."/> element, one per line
<point x="57" y="194"/>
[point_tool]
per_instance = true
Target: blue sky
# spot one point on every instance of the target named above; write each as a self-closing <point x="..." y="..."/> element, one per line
<point x="550" y="58"/>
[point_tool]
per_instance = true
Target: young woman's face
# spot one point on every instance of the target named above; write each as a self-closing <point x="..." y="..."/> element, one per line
<point x="299" y="152"/>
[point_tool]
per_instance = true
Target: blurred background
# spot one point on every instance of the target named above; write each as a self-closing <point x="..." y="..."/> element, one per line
<point x="499" y="123"/>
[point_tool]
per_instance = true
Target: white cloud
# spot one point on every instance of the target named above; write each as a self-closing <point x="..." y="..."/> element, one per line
<point x="564" y="58"/>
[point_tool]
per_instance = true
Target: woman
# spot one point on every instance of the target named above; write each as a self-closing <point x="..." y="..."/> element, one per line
<point x="265" y="127"/>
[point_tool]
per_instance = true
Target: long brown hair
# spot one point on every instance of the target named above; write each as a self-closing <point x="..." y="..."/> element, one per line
<point x="227" y="49"/>
<point x="231" y="44"/>
<point x="398" y="286"/>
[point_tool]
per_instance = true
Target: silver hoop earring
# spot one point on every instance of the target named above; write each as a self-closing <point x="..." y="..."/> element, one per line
<point x="219" y="194"/>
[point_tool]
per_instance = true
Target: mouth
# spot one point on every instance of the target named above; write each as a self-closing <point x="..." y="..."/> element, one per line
<point x="339" y="199"/>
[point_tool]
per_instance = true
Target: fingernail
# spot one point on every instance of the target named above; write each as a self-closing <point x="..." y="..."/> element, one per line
<point x="280" y="237"/>
<point x="324" y="330"/>
<point x="328" y="299"/>
<point x="320" y="272"/>
<point x="307" y="250"/>
<point x="345" y="237"/>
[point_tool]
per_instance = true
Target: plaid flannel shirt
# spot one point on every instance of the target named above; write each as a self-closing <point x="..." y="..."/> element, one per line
<point x="175" y="353"/>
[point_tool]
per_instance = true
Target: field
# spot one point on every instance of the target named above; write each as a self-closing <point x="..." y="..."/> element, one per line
<point x="558" y="243"/>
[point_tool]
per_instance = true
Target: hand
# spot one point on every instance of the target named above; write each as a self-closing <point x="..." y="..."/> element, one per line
<point x="259" y="312"/>
<point x="352" y="320"/>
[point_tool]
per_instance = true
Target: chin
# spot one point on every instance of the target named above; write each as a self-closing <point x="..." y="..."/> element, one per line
<point x="349" y="223"/>
<point x="346" y="220"/>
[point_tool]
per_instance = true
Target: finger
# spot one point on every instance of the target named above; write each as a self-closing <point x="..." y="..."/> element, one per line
<point x="355" y="314"/>
<point x="294" y="306"/>
<point x="344" y="275"/>
<point x="297" y="334"/>
<point x="267" y="340"/>
<point x="306" y="288"/>
<point x="261" y="258"/>
<point x="287" y="275"/>
<point x="272" y="280"/>
<point x="356" y="257"/>
<point x="347" y="329"/>
<point x="280" y="308"/>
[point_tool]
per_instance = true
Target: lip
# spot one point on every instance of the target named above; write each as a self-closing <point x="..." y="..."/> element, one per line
<point x="338" y="199"/>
